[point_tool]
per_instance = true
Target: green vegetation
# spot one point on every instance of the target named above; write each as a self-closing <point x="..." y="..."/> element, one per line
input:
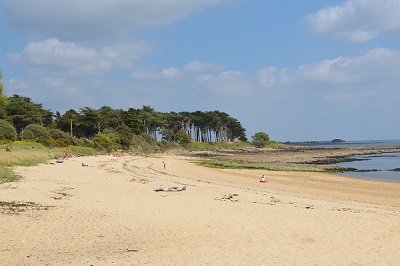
<point x="7" y="131"/>
<point x="7" y="175"/>
<point x="240" y="164"/>
<point x="260" y="139"/>
<point x="211" y="146"/>
<point x="26" y="153"/>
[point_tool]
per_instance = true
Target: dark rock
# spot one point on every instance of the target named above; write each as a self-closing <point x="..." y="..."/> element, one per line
<point x="338" y="141"/>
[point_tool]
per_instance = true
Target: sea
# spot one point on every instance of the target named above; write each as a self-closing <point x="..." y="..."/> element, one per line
<point x="372" y="166"/>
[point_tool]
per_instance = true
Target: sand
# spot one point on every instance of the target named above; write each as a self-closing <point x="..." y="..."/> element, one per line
<point x="107" y="213"/>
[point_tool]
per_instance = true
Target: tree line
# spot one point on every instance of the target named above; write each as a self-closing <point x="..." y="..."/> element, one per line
<point x="90" y="123"/>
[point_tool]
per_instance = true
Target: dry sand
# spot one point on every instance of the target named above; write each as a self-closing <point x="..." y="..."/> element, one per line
<point x="108" y="214"/>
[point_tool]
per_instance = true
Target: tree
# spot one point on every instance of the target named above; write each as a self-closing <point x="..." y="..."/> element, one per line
<point x="69" y="122"/>
<point x="109" y="118"/>
<point x="132" y="119"/>
<point x="182" y="137"/>
<point x="125" y="136"/>
<point x="90" y="122"/>
<point x="7" y="130"/>
<point x="260" y="139"/>
<point x="3" y="99"/>
<point x="21" y="111"/>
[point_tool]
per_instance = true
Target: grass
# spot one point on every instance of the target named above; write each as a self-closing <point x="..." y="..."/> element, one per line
<point x="7" y="175"/>
<point x="213" y="164"/>
<point x="25" y="153"/>
<point x="209" y="146"/>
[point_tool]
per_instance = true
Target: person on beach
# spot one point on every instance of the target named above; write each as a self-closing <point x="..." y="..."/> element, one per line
<point x="163" y="164"/>
<point x="263" y="179"/>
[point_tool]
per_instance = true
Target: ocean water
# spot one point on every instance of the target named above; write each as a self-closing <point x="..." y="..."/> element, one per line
<point x="357" y="143"/>
<point x="382" y="163"/>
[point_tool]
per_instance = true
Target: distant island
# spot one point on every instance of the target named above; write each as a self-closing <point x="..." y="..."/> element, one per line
<point x="338" y="141"/>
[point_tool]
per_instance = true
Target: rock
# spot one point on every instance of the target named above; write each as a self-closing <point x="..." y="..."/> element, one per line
<point x="338" y="141"/>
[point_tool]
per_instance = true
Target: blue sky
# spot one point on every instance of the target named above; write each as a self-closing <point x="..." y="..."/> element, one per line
<point x="298" y="70"/>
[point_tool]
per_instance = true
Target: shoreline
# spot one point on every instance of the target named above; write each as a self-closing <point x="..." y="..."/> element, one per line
<point x="289" y="158"/>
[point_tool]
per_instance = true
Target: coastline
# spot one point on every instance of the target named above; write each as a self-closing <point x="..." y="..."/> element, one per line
<point x="108" y="212"/>
<point x="291" y="158"/>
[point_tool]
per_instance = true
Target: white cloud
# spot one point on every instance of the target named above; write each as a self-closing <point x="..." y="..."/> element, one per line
<point x="53" y="55"/>
<point x="357" y="20"/>
<point x="170" y="73"/>
<point x="378" y="68"/>
<point x="190" y="70"/>
<point x="198" y="66"/>
<point x="151" y="75"/>
<point x="228" y="83"/>
<point x="71" y="19"/>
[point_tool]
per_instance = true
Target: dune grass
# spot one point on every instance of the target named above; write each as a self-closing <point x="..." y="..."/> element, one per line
<point x="23" y="153"/>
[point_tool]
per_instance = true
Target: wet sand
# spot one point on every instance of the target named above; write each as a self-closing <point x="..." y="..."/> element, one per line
<point x="107" y="213"/>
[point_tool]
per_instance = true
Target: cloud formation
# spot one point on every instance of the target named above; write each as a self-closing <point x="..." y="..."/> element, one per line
<point x="54" y="56"/>
<point x="357" y="20"/>
<point x="75" y="19"/>
<point x="376" y="69"/>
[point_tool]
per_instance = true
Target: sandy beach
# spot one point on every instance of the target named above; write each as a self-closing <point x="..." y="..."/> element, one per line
<point x="107" y="213"/>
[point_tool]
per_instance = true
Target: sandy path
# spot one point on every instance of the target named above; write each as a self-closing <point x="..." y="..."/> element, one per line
<point x="108" y="214"/>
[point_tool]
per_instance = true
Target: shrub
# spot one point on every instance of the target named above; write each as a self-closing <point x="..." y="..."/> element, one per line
<point x="260" y="139"/>
<point x="107" y="141"/>
<point x="7" y="131"/>
<point x="182" y="137"/>
<point x="37" y="133"/>
<point x="61" y="138"/>
<point x="125" y="136"/>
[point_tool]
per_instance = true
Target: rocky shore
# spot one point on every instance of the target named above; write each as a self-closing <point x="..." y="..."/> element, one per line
<point x="291" y="158"/>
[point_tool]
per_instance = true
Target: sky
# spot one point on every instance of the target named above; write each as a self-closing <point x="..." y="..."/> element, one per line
<point x="297" y="70"/>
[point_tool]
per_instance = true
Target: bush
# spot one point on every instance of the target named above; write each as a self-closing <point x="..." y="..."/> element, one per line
<point x="125" y="136"/>
<point x="61" y="138"/>
<point x="7" y="131"/>
<point x="37" y="133"/>
<point x="107" y="141"/>
<point x="260" y="139"/>
<point x="182" y="137"/>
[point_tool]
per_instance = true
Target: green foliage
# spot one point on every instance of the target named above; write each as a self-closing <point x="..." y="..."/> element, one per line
<point x="60" y="138"/>
<point x="89" y="122"/>
<point x="37" y="133"/>
<point x="182" y="137"/>
<point x="125" y="136"/>
<point x="260" y="139"/>
<point x="210" y="146"/>
<point x="64" y="122"/>
<point x="108" y="141"/>
<point x="7" y="131"/>
<point x="21" y="111"/>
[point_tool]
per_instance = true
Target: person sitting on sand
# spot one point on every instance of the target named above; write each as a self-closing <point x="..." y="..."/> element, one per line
<point x="263" y="179"/>
<point x="170" y="189"/>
